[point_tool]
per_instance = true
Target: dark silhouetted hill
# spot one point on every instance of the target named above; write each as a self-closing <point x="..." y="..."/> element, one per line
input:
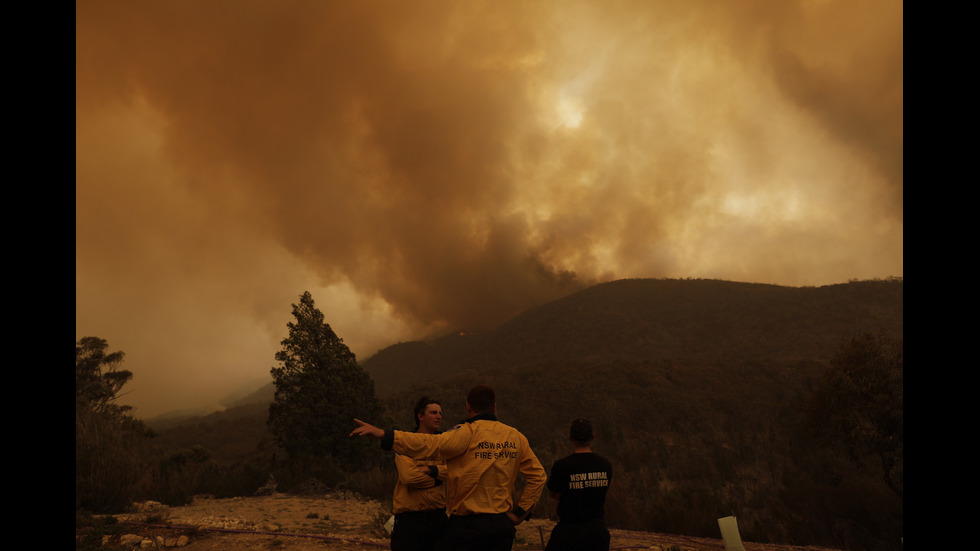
<point x="656" y="319"/>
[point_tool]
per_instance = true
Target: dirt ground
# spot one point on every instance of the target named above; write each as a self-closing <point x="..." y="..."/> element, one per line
<point x="338" y="522"/>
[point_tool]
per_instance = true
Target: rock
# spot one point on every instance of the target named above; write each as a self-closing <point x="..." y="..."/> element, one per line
<point x="311" y="487"/>
<point x="178" y="541"/>
<point x="269" y="488"/>
<point x="151" y="510"/>
<point x="147" y="506"/>
<point x="130" y="539"/>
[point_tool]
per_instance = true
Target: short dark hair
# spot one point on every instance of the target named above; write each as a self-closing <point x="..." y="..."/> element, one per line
<point x="581" y="430"/>
<point x="481" y="398"/>
<point x="420" y="406"/>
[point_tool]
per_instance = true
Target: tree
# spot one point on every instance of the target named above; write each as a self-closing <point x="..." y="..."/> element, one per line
<point x="859" y="404"/>
<point x="320" y="388"/>
<point x="111" y="447"/>
<point x="98" y="378"/>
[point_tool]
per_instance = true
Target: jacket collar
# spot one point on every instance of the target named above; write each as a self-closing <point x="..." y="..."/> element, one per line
<point x="482" y="417"/>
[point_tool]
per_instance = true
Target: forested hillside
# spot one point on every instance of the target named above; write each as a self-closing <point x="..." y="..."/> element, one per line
<point x="698" y="390"/>
<point x="658" y="319"/>
<point x="693" y="442"/>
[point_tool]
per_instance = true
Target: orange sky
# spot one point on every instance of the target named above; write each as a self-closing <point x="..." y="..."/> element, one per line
<point x="427" y="166"/>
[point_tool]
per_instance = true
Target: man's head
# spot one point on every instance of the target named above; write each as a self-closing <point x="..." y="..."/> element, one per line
<point x="581" y="431"/>
<point x="481" y="399"/>
<point x="428" y="415"/>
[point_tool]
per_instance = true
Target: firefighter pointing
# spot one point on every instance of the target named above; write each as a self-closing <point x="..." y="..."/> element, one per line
<point x="483" y="458"/>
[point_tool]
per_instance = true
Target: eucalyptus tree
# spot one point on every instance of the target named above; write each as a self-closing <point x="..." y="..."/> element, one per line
<point x="859" y="405"/>
<point x="112" y="448"/>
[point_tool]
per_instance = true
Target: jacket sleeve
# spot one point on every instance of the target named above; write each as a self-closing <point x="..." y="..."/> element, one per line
<point x="443" y="473"/>
<point x="433" y="446"/>
<point x="534" y="478"/>
<point x="409" y="474"/>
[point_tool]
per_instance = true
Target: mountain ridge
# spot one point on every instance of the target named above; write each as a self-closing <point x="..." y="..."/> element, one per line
<point x="656" y="319"/>
<point x="640" y="319"/>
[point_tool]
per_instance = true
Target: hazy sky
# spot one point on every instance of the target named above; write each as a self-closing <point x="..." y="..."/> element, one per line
<point x="426" y="166"/>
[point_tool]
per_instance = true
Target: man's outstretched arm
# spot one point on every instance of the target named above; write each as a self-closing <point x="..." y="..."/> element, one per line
<point x="364" y="429"/>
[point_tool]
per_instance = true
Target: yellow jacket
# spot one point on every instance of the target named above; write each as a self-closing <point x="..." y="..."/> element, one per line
<point x="483" y="457"/>
<point x="417" y="491"/>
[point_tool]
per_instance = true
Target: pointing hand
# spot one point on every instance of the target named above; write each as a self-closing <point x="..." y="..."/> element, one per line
<point x="364" y="429"/>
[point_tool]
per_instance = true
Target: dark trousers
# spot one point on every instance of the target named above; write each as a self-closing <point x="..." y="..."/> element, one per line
<point x="478" y="532"/>
<point x="418" y="530"/>
<point x="586" y="536"/>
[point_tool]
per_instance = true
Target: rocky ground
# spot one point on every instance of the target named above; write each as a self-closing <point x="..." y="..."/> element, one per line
<point x="335" y="521"/>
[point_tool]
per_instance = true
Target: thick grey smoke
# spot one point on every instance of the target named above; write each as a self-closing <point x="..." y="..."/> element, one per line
<point x="423" y="167"/>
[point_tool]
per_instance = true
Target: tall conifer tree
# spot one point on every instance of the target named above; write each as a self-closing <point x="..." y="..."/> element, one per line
<point x="320" y="388"/>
